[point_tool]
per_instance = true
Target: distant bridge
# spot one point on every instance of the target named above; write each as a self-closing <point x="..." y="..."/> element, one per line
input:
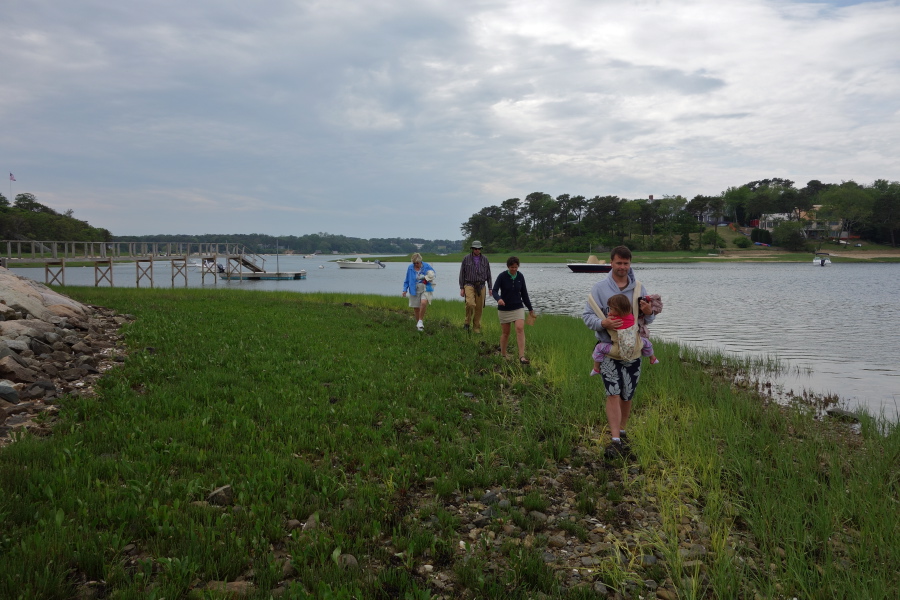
<point x="54" y="255"/>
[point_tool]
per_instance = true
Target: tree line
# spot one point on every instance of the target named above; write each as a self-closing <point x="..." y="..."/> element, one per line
<point x="326" y="243"/>
<point x="28" y="219"/>
<point x="570" y="223"/>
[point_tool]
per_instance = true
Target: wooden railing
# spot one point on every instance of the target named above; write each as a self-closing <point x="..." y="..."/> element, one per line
<point x="41" y="250"/>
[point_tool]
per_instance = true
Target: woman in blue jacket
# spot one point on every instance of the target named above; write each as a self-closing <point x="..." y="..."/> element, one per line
<point x="511" y="295"/>
<point x="419" y="284"/>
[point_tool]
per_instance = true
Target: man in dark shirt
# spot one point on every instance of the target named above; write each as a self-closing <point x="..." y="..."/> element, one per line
<point x="474" y="280"/>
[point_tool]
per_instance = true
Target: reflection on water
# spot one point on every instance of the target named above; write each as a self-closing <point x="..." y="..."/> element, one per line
<point x="833" y="327"/>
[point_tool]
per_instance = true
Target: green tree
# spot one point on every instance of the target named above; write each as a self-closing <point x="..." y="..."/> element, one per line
<point x="886" y="207"/>
<point x="789" y="235"/>
<point x="29" y="203"/>
<point x="511" y="220"/>
<point x="712" y="238"/>
<point x="736" y="199"/>
<point x="850" y="203"/>
<point x="483" y="225"/>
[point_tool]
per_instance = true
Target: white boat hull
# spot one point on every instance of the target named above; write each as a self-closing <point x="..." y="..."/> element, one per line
<point x="352" y="265"/>
<point x="359" y="264"/>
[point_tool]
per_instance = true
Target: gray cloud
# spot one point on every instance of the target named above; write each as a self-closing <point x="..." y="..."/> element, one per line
<point x="396" y="117"/>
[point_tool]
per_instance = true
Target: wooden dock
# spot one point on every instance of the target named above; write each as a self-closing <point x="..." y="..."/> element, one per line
<point x="239" y="262"/>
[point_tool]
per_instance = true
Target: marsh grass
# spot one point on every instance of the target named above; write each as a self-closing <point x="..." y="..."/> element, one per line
<point x="334" y="405"/>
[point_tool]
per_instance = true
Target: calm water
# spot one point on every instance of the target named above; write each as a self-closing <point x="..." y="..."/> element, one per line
<point x="835" y="324"/>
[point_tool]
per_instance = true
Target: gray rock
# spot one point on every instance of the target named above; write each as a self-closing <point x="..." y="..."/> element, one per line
<point x="489" y="498"/>
<point x="648" y="560"/>
<point x="73" y="374"/>
<point x="39" y="347"/>
<point x="9" y="367"/>
<point x="348" y="561"/>
<point x="556" y="541"/>
<point x="222" y="496"/>
<point x="17" y="345"/>
<point x="293" y="524"/>
<point x="481" y="521"/>
<point x="312" y="522"/>
<point x="8" y="391"/>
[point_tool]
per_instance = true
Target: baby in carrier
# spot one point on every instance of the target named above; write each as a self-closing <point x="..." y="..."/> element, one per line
<point x="627" y="333"/>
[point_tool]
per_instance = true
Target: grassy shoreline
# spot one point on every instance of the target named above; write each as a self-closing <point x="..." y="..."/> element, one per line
<point x="332" y="410"/>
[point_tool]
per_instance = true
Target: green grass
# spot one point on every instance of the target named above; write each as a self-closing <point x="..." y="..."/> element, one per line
<point x="333" y="405"/>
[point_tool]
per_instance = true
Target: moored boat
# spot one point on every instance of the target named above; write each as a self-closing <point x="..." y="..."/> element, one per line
<point x="822" y="259"/>
<point x="263" y="276"/>
<point x="360" y="264"/>
<point x="591" y="265"/>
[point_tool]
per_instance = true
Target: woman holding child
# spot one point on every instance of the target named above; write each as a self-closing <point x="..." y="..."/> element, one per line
<point x="419" y="284"/>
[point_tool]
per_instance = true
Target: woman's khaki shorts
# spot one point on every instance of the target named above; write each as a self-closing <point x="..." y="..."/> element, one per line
<point x="510" y="316"/>
<point x="416" y="301"/>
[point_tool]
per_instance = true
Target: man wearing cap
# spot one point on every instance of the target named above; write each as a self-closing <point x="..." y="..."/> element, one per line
<point x="474" y="281"/>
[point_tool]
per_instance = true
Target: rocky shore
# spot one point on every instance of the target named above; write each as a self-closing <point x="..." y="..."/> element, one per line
<point x="50" y="346"/>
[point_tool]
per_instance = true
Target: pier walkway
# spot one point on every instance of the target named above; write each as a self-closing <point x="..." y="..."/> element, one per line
<point x="207" y="257"/>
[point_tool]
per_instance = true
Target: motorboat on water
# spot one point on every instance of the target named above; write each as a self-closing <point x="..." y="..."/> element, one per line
<point x="207" y="264"/>
<point x="591" y="265"/>
<point x="360" y="264"/>
<point x="263" y="276"/>
<point x="822" y="259"/>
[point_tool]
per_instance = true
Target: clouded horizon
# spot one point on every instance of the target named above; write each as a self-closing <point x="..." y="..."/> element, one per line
<point x="394" y="118"/>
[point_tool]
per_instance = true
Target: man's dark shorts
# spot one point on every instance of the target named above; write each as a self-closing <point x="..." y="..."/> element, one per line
<point x="620" y="378"/>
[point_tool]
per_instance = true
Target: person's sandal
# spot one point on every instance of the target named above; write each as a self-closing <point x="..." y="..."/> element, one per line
<point x="524" y="360"/>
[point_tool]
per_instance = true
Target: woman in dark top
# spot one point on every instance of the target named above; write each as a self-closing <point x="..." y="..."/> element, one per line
<point x="512" y="297"/>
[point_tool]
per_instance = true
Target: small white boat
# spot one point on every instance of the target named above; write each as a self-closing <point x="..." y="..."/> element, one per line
<point x="822" y="259"/>
<point x="209" y="265"/>
<point x="360" y="264"/>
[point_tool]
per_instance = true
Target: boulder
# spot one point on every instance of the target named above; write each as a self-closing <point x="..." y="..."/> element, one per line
<point x="8" y="391"/>
<point x="30" y="297"/>
<point x="50" y="346"/>
<point x="10" y="368"/>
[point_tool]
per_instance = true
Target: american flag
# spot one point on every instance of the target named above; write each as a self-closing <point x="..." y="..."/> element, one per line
<point x="11" y="178"/>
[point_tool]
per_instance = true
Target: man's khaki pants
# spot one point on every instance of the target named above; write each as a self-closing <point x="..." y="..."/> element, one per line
<point x="474" y="305"/>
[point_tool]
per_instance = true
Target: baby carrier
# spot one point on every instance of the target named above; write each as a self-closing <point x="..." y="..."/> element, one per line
<point x="626" y="343"/>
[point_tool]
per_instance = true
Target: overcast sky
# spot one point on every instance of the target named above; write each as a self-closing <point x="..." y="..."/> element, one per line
<point x="383" y="118"/>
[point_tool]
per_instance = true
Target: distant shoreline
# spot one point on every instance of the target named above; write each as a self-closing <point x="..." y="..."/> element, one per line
<point x="738" y="256"/>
